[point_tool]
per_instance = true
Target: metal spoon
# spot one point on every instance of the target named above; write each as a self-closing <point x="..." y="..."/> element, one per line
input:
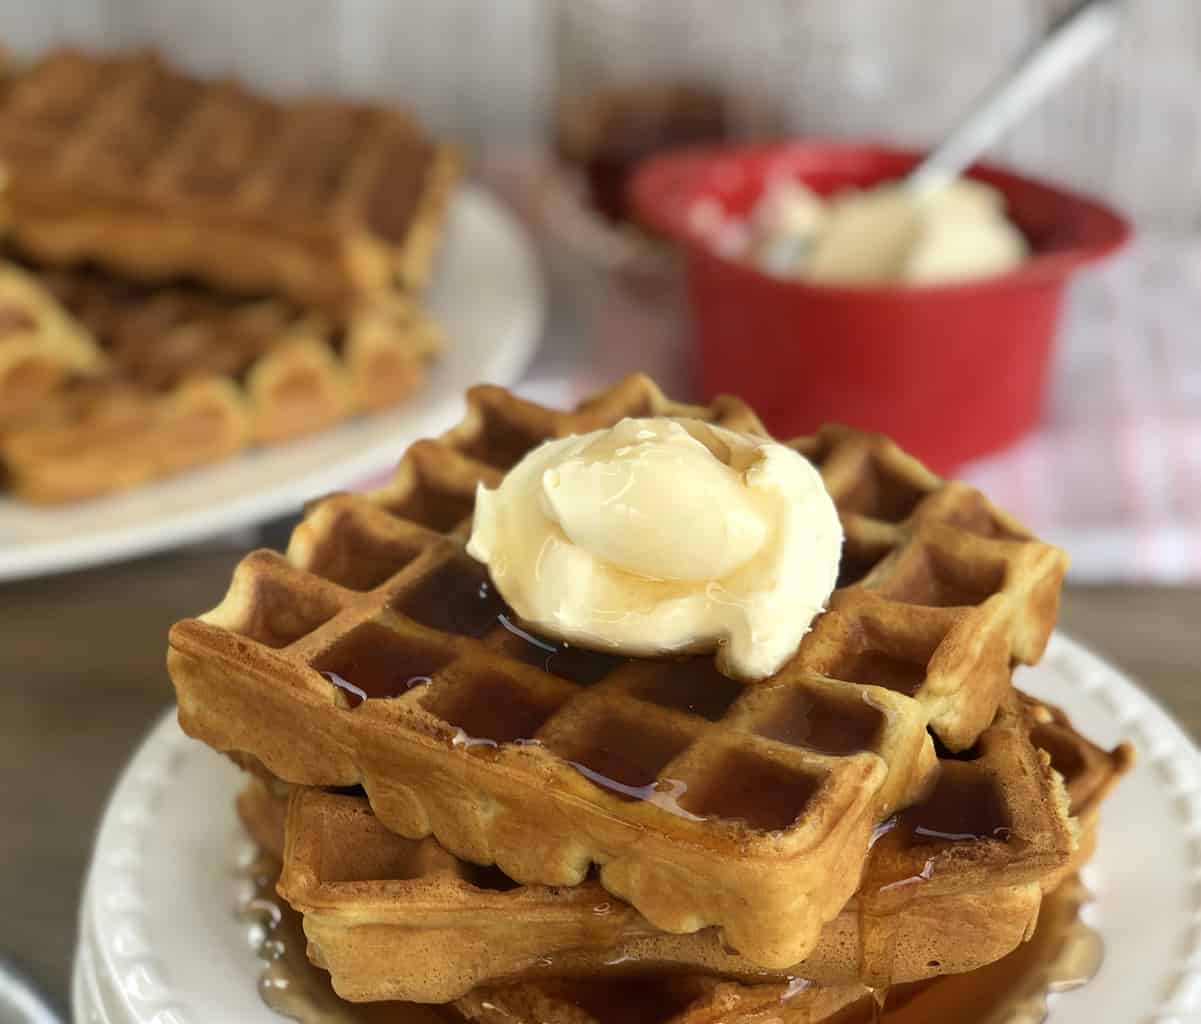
<point x="1071" y="40"/>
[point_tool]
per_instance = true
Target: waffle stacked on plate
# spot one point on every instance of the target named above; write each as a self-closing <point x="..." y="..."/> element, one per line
<point x="223" y="269"/>
<point x="535" y="820"/>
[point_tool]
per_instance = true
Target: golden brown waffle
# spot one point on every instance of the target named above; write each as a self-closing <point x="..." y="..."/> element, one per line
<point x="40" y="345"/>
<point x="752" y="807"/>
<point x="657" y="999"/>
<point x="194" y="376"/>
<point x="139" y="168"/>
<point x="372" y="899"/>
<point x="939" y="590"/>
<point x="1089" y="772"/>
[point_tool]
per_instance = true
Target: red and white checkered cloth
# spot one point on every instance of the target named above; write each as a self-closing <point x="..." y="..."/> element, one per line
<point x="1112" y="474"/>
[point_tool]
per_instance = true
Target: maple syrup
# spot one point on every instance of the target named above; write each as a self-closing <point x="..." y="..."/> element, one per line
<point x="880" y="669"/>
<point x="457" y="597"/>
<point x="1064" y="953"/>
<point x="653" y="999"/>
<point x="289" y="984"/>
<point x="622" y="756"/>
<point x="491" y="710"/>
<point x="373" y="662"/>
<point x="574" y="664"/>
<point x="742" y="786"/>
<point x="853" y="567"/>
<point x="834" y="727"/>
<point x="692" y="685"/>
<point x="963" y="807"/>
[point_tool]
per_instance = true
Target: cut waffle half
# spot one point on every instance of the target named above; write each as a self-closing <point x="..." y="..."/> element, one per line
<point x="705" y="802"/>
<point x="127" y="163"/>
<point x="372" y="899"/>
<point x="41" y="345"/>
<point x="1089" y="772"/>
<point x="192" y="376"/>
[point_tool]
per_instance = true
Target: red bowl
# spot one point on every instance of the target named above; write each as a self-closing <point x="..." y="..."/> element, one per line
<point x="950" y="371"/>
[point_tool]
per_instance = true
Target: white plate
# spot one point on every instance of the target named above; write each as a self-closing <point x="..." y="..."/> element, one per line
<point x="490" y="299"/>
<point x="161" y="945"/>
<point x="19" y="1004"/>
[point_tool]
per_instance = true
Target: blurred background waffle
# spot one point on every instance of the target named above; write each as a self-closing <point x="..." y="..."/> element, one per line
<point x="192" y="376"/>
<point x="250" y="271"/>
<point x="41" y="346"/>
<point x="130" y="164"/>
<point x="383" y="644"/>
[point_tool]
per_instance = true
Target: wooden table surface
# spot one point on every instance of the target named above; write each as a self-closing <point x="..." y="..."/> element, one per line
<point x="82" y="679"/>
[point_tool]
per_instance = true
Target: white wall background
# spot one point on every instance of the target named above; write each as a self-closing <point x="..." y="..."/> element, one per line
<point x="1129" y="127"/>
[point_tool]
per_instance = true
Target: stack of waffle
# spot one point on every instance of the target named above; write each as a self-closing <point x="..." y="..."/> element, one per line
<point x="192" y="268"/>
<point x="482" y="817"/>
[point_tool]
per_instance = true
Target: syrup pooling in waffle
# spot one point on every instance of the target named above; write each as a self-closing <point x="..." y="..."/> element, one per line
<point x="624" y="724"/>
<point x="799" y="818"/>
<point x="952" y="883"/>
<point x="146" y="170"/>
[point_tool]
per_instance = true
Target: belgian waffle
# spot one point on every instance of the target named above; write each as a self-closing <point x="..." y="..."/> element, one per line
<point x="372" y="899"/>
<point x="139" y="168"/>
<point x="193" y="376"/>
<point x="40" y="345"/>
<point x="756" y="804"/>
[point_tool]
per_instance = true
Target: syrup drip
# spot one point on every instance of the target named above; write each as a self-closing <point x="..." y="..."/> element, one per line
<point x="963" y="807"/>
<point x="373" y="662"/>
<point x="290" y="985"/>
<point x="1064" y="953"/>
<point x="665" y="793"/>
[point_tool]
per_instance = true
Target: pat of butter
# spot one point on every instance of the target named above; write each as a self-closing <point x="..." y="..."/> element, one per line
<point x="661" y="536"/>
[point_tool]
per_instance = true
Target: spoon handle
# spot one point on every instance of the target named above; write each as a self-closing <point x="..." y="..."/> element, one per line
<point x="1070" y="41"/>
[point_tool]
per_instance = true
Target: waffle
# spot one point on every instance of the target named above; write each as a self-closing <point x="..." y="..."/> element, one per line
<point x="194" y="376"/>
<point x="372" y="899"/>
<point x="655" y="999"/>
<point x="1089" y="772"/>
<point x="704" y="802"/>
<point x="40" y="345"/>
<point x="124" y="162"/>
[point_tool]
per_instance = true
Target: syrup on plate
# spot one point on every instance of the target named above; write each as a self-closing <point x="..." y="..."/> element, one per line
<point x="289" y="984"/>
<point x="1064" y="953"/>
